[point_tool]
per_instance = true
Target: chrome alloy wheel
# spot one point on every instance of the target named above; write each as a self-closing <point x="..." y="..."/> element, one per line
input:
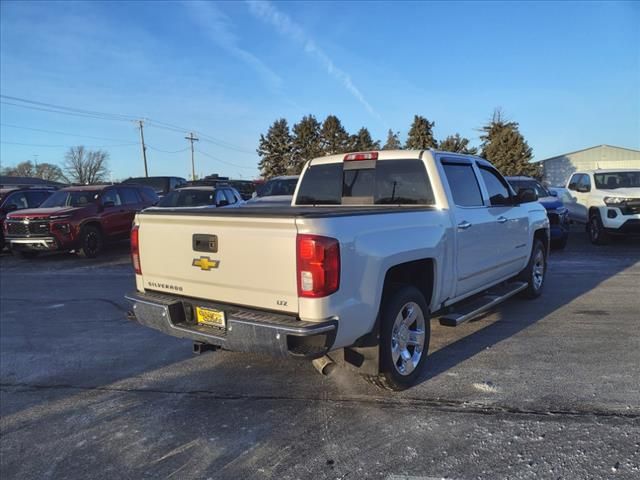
<point x="407" y="338"/>
<point x="538" y="270"/>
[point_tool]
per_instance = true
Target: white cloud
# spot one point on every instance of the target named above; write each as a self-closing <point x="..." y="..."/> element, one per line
<point x="267" y="12"/>
<point x="219" y="29"/>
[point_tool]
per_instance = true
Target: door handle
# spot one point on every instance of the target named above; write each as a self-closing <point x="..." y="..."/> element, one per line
<point x="464" y="225"/>
<point x="501" y="219"/>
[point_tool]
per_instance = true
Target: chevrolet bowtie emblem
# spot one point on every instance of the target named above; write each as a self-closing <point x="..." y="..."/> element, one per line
<point x="205" y="263"/>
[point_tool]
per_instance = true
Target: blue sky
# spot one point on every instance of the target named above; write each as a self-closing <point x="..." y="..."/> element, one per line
<point x="568" y="72"/>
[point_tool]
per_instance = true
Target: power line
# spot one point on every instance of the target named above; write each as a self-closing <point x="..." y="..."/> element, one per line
<point x="61" y="133"/>
<point x="166" y="151"/>
<point x="224" y="161"/>
<point x="67" y="145"/>
<point x="78" y="112"/>
<point x="117" y="116"/>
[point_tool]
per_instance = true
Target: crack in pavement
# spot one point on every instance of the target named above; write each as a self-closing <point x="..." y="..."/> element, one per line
<point x="425" y="403"/>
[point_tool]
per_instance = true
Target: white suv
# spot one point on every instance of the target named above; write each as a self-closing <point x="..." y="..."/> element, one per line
<point x="607" y="201"/>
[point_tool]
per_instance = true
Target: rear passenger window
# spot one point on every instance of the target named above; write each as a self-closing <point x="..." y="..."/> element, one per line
<point x="463" y="184"/>
<point x="496" y="186"/>
<point x="129" y="196"/>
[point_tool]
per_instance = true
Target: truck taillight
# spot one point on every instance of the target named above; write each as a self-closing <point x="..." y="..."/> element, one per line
<point x="318" y="268"/>
<point x="135" y="250"/>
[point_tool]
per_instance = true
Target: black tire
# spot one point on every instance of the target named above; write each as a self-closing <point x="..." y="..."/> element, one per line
<point x="560" y="244"/>
<point x="595" y="230"/>
<point x="91" y="241"/>
<point x="26" y="254"/>
<point x="531" y="274"/>
<point x="395" y="338"/>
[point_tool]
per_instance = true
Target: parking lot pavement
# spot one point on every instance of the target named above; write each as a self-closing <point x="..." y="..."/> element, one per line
<point x="548" y="388"/>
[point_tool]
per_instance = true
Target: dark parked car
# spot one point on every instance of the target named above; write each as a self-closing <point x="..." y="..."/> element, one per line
<point x="12" y="199"/>
<point x="556" y="211"/>
<point x="203" y="196"/>
<point x="75" y="218"/>
<point x="244" y="187"/>
<point x="283" y="186"/>
<point x="161" y="185"/>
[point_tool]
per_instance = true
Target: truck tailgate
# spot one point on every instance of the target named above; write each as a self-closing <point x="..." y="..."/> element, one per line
<point x="254" y="265"/>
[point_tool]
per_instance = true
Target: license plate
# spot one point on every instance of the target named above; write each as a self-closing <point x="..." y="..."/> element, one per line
<point x="210" y="317"/>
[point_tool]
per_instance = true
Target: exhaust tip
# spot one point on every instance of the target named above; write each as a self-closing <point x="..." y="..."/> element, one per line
<point x="324" y="365"/>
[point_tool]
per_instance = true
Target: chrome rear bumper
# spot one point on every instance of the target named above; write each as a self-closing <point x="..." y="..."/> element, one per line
<point x="247" y="330"/>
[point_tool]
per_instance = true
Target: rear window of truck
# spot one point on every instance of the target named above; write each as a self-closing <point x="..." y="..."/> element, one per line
<point x="390" y="182"/>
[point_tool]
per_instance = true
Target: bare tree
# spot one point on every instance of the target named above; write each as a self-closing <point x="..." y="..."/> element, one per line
<point x="22" y="169"/>
<point x="49" y="171"/>
<point x="85" y="166"/>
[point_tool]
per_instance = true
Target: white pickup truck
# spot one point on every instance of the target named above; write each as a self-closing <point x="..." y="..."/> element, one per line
<point x="606" y="201"/>
<point x="373" y="246"/>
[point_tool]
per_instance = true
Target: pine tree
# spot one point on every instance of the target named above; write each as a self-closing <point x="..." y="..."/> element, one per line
<point x="362" y="141"/>
<point x="458" y="144"/>
<point x="393" y="141"/>
<point x="505" y="147"/>
<point x="275" y="150"/>
<point x="420" y="134"/>
<point x="306" y="143"/>
<point x="335" y="138"/>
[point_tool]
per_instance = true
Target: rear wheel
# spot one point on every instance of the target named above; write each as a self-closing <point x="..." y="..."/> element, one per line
<point x="535" y="272"/>
<point x="91" y="241"/>
<point x="405" y="330"/>
<point x="596" y="231"/>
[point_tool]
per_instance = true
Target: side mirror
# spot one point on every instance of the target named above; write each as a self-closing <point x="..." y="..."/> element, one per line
<point x="526" y="195"/>
<point x="223" y="203"/>
<point x="108" y="204"/>
<point x="553" y="193"/>
<point x="11" y="207"/>
<point x="583" y="188"/>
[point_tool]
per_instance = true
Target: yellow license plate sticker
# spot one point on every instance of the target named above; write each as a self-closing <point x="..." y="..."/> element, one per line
<point x="210" y="317"/>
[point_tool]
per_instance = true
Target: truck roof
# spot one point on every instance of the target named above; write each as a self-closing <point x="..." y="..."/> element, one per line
<point x="394" y="155"/>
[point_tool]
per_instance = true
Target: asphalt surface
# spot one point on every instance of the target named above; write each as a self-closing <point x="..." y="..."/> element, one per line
<point x="548" y="388"/>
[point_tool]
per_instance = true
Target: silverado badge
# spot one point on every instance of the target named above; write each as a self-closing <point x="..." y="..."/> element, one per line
<point x="205" y="263"/>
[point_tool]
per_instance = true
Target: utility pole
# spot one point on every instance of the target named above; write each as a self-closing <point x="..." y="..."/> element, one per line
<point x="192" y="139"/>
<point x="35" y="169"/>
<point x="144" y="148"/>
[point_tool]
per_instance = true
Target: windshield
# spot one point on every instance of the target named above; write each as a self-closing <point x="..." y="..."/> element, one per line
<point x="532" y="184"/>
<point x="188" y="198"/>
<point x="277" y="187"/>
<point x="70" y="199"/>
<point x="613" y="180"/>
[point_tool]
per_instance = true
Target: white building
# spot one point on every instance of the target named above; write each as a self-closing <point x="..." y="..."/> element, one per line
<point x="558" y="169"/>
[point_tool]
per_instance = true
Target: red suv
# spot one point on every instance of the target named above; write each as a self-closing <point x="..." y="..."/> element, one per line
<point x="77" y="218"/>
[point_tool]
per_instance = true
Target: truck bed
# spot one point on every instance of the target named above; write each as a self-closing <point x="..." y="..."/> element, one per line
<point x="289" y="211"/>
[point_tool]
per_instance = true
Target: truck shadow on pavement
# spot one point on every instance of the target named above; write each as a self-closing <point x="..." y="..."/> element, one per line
<point x="571" y="273"/>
